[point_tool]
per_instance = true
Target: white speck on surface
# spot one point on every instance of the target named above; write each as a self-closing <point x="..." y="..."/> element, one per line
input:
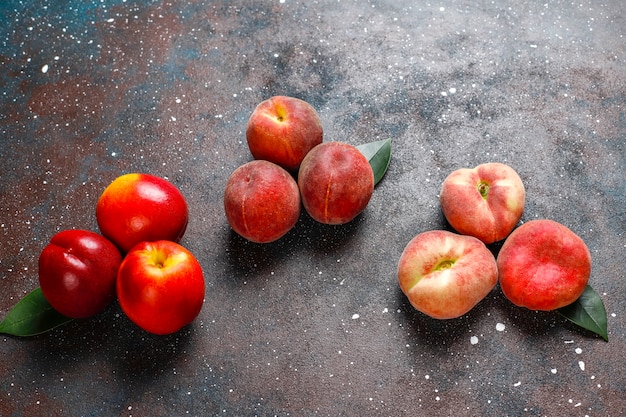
<point x="44" y="69"/>
<point x="517" y="384"/>
<point x="452" y="90"/>
<point x="578" y="351"/>
<point x="581" y="364"/>
<point x="553" y="370"/>
<point x="500" y="327"/>
<point x="473" y="340"/>
<point x="442" y="9"/>
<point x="355" y="316"/>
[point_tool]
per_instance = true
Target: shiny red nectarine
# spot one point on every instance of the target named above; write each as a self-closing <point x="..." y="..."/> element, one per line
<point x="160" y="286"/>
<point x="141" y="207"/>
<point x="77" y="272"/>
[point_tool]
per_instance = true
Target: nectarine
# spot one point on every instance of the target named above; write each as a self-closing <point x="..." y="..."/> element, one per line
<point x="160" y="286"/>
<point x="77" y="272"/>
<point x="141" y="207"/>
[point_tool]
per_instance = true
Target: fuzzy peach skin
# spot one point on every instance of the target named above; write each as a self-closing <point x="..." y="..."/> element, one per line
<point x="543" y="265"/>
<point x="485" y="202"/>
<point x="261" y="201"/>
<point x="444" y="274"/>
<point x="283" y="130"/>
<point x="336" y="182"/>
<point x="141" y="207"/>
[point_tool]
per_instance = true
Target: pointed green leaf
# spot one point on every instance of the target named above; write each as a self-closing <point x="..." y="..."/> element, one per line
<point x="379" y="155"/>
<point x="31" y="316"/>
<point x="588" y="312"/>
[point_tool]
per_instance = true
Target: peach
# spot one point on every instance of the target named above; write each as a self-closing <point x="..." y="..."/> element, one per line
<point x="543" y="265"/>
<point x="336" y="182"/>
<point x="485" y="202"/>
<point x="283" y="130"/>
<point x="444" y="274"/>
<point x="262" y="201"/>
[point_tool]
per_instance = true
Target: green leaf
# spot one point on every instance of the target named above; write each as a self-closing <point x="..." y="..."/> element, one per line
<point x="588" y="312"/>
<point x="378" y="154"/>
<point x="31" y="316"/>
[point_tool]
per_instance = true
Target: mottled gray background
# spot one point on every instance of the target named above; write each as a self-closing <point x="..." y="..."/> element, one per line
<point x="314" y="324"/>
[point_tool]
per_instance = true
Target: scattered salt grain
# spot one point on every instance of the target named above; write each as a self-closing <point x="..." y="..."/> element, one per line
<point x="355" y="316"/>
<point x="500" y="327"/>
<point x="578" y="351"/>
<point x="581" y="364"/>
<point x="473" y="340"/>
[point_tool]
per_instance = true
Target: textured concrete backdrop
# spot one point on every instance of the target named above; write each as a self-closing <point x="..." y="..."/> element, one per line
<point x="314" y="324"/>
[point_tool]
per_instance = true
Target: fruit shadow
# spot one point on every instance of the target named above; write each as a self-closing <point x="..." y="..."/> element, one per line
<point x="438" y="336"/>
<point x="536" y="325"/>
<point x="308" y="238"/>
<point x="113" y="341"/>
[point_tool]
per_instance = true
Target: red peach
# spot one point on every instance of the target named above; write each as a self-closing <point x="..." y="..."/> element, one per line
<point x="261" y="201"/>
<point x="485" y="202"/>
<point x="336" y="182"/>
<point x="283" y="130"/>
<point x="543" y="265"/>
<point x="444" y="275"/>
<point x="141" y="207"/>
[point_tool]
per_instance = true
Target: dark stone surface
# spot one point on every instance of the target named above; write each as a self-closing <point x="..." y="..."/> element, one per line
<point x="314" y="324"/>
